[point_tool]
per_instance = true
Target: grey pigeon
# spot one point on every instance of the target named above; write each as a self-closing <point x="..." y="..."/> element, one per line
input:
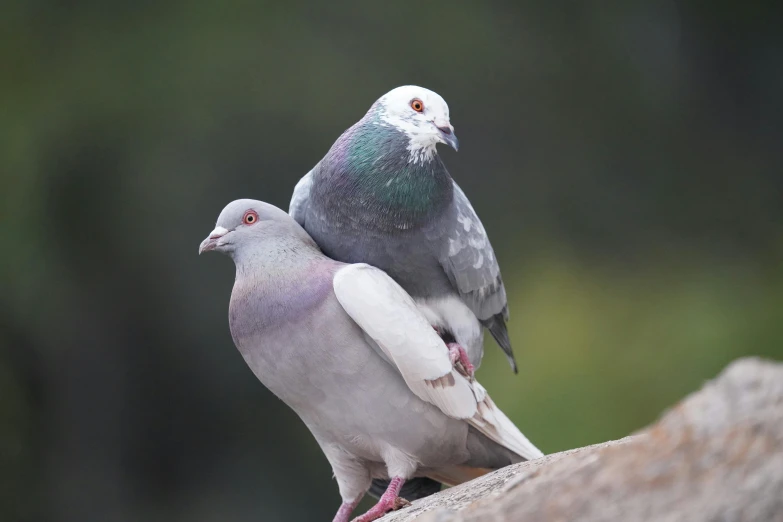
<point x="351" y="353"/>
<point x="382" y="196"/>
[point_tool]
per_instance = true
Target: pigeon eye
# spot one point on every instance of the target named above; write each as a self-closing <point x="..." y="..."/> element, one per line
<point x="417" y="105"/>
<point x="250" y="217"/>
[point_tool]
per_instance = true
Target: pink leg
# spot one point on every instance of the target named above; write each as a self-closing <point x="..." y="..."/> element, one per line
<point x="388" y="502"/>
<point x="458" y="354"/>
<point x="346" y="508"/>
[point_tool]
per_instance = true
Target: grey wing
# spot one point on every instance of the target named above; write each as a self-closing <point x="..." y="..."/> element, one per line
<point x="300" y="198"/>
<point x="473" y="270"/>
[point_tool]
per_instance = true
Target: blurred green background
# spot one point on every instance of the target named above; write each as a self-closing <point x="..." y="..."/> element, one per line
<point x="625" y="158"/>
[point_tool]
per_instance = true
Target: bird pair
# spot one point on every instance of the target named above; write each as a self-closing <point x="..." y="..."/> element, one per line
<point x="364" y="309"/>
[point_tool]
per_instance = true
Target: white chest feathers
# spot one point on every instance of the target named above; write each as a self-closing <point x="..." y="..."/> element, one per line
<point x="451" y="314"/>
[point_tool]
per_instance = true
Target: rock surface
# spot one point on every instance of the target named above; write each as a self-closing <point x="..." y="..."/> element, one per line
<point x="716" y="456"/>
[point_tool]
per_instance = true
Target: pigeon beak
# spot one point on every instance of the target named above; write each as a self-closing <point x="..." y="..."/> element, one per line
<point x="447" y="134"/>
<point x="211" y="242"/>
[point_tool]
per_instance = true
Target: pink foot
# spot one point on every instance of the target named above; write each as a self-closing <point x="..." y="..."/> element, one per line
<point x="346" y="508"/>
<point x="388" y="502"/>
<point x="458" y="355"/>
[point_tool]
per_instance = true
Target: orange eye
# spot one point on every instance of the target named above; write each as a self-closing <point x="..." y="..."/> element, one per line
<point x="250" y="217"/>
<point x="417" y="105"/>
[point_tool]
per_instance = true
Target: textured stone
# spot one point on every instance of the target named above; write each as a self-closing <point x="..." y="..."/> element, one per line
<point x="716" y="456"/>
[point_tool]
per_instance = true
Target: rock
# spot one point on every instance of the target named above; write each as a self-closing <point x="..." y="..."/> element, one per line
<point x="716" y="456"/>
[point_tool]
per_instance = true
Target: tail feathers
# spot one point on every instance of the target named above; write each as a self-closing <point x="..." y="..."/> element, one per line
<point x="494" y="424"/>
<point x="455" y="475"/>
<point x="497" y="327"/>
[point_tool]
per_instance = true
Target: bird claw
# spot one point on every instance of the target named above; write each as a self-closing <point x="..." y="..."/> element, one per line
<point x="381" y="508"/>
<point x="400" y="503"/>
<point x="460" y="360"/>
<point x="389" y="501"/>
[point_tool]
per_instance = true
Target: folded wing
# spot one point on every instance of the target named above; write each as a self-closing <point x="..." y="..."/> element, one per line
<point x="301" y="198"/>
<point x="390" y="317"/>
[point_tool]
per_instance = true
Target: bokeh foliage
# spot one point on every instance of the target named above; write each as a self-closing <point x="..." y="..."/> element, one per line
<point x="625" y="159"/>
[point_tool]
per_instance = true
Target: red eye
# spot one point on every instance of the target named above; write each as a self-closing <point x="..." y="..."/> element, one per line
<point x="417" y="105"/>
<point x="250" y="217"/>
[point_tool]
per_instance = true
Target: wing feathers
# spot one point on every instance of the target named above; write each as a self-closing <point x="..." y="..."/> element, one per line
<point x="391" y="318"/>
<point x="300" y="198"/>
<point x="472" y="268"/>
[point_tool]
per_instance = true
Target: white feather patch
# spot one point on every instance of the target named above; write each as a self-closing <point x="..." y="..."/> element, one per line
<point x="423" y="136"/>
<point x="453" y="314"/>
<point x="421" y="145"/>
<point x="391" y="318"/>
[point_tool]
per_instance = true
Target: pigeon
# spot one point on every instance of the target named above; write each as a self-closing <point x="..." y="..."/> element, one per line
<point x="352" y="354"/>
<point x="382" y="196"/>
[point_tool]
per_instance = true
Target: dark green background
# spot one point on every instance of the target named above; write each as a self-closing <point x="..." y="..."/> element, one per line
<point x="625" y="158"/>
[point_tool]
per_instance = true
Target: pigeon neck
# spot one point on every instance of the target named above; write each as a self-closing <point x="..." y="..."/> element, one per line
<point x="370" y="174"/>
<point x="275" y="256"/>
<point x="268" y="295"/>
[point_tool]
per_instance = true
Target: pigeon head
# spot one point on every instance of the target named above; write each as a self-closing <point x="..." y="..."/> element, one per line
<point x="246" y="223"/>
<point x="421" y="114"/>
